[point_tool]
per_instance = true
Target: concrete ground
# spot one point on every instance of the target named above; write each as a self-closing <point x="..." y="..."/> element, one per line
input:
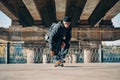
<point x="79" y="71"/>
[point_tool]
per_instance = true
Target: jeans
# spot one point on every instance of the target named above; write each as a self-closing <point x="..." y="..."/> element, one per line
<point x="60" y="53"/>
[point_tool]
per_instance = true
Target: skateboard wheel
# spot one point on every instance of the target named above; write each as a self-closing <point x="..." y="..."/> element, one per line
<point x="55" y="65"/>
<point x="62" y="65"/>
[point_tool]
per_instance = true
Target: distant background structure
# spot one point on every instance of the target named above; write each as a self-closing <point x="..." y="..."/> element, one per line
<point x="30" y="20"/>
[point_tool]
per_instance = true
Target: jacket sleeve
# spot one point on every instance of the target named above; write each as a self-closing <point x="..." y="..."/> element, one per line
<point x="52" y="36"/>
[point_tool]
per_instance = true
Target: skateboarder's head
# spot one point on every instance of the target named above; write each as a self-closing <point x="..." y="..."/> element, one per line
<point x="66" y="21"/>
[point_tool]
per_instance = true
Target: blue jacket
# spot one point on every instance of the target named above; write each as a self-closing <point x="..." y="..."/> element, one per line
<point x="57" y="33"/>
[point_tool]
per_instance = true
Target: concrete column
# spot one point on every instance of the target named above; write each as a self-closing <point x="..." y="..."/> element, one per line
<point x="100" y="53"/>
<point x="68" y="59"/>
<point x="30" y="56"/>
<point x="74" y="55"/>
<point x="87" y="56"/>
<point x="44" y="58"/>
<point x="45" y="51"/>
<point x="74" y="58"/>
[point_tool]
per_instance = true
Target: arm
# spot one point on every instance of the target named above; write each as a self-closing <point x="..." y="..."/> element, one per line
<point x="66" y="41"/>
<point x="52" y="36"/>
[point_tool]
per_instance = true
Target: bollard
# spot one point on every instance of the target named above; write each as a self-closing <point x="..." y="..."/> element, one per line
<point x="87" y="56"/>
<point x="30" y="56"/>
<point x="70" y="59"/>
<point x="44" y="58"/>
<point x="74" y="58"/>
<point x="100" y="53"/>
<point x="45" y="52"/>
<point x="67" y="59"/>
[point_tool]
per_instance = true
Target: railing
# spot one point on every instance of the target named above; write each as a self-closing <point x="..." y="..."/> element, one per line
<point x="111" y="54"/>
<point x="21" y="53"/>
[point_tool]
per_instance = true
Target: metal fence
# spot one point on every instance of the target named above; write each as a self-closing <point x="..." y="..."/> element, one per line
<point x="111" y="53"/>
<point x="21" y="53"/>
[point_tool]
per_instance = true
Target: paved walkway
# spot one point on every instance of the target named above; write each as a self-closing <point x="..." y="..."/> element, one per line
<point x="80" y="71"/>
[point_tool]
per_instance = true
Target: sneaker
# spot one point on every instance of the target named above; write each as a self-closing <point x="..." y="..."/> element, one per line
<point x="55" y="59"/>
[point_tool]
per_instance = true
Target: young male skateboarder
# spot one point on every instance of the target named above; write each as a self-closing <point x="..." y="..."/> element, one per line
<point x="59" y="40"/>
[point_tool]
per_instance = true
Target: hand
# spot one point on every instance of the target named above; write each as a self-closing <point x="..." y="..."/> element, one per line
<point x="63" y="45"/>
<point x="52" y="53"/>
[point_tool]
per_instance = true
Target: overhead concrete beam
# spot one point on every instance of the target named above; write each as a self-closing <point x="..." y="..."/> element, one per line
<point x="88" y="9"/>
<point x="32" y="9"/>
<point x="116" y="35"/>
<point x="35" y="33"/>
<point x="113" y="11"/>
<point x="74" y="9"/>
<point x="46" y="9"/>
<point x="101" y="10"/>
<point x="19" y="9"/>
<point x="7" y="12"/>
<point x="98" y="34"/>
<point x="60" y="8"/>
<point x="109" y="15"/>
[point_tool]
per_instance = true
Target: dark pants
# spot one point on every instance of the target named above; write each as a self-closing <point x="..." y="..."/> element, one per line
<point x="60" y="52"/>
<point x="56" y="47"/>
<point x="64" y="50"/>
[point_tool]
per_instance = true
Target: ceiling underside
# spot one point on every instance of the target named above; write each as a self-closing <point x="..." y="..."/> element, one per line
<point x="45" y="12"/>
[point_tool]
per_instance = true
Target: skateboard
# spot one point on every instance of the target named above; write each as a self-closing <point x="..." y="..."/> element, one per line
<point x="59" y="64"/>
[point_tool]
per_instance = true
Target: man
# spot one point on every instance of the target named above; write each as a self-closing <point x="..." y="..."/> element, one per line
<point x="59" y="39"/>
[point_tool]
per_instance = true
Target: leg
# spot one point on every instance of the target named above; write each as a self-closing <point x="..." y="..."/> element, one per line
<point x="63" y="52"/>
<point x="56" y="50"/>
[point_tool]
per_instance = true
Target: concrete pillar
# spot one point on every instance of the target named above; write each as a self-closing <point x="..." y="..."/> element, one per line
<point x="87" y="56"/>
<point x="74" y="58"/>
<point x="68" y="59"/>
<point x="73" y="55"/>
<point x="100" y="53"/>
<point x="44" y="58"/>
<point x="30" y="56"/>
<point x="45" y="51"/>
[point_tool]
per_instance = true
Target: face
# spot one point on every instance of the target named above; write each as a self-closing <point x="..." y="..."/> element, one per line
<point x="66" y="24"/>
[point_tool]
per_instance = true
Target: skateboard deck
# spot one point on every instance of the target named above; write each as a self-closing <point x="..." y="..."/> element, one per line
<point x="59" y="64"/>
